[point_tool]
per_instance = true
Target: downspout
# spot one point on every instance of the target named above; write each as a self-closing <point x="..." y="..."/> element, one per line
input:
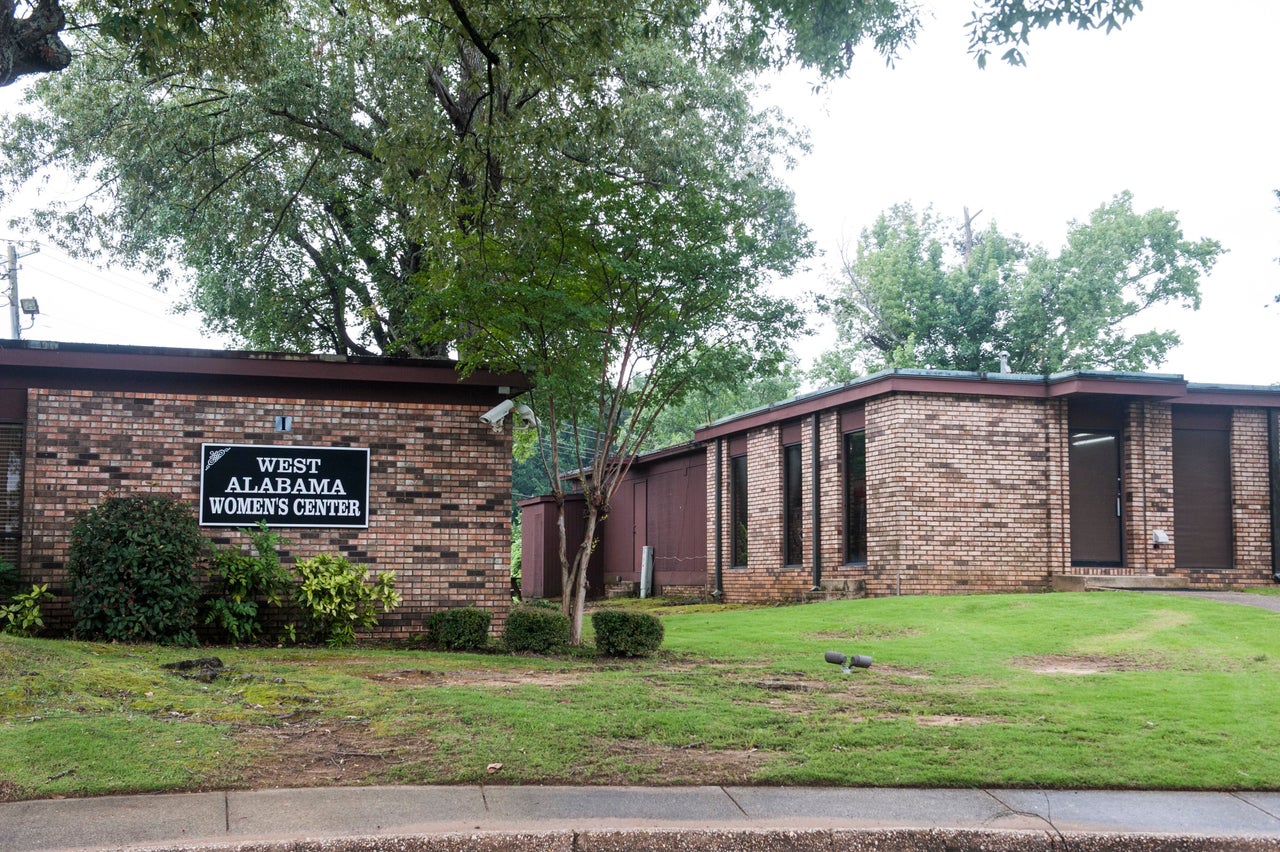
<point x="1273" y="438"/>
<point x="718" y="594"/>
<point x="816" y="489"/>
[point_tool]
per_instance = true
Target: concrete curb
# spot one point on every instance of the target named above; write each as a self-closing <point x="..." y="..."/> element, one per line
<point x="613" y="819"/>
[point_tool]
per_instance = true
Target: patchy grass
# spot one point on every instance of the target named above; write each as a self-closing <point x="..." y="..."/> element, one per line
<point x="1117" y="690"/>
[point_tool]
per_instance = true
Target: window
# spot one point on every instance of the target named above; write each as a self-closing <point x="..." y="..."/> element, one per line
<point x="793" y="505"/>
<point x="11" y="491"/>
<point x="855" y="497"/>
<point x="738" y="510"/>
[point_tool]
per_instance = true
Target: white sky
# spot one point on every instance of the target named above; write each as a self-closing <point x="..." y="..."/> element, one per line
<point x="1178" y="108"/>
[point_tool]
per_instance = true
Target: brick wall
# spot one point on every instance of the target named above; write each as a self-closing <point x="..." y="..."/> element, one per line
<point x="439" y="484"/>
<point x="959" y="494"/>
<point x="971" y="494"/>
<point x="1250" y="497"/>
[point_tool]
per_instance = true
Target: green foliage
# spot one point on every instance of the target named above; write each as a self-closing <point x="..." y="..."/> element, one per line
<point x="919" y="294"/>
<point x="22" y="617"/>
<point x="981" y="691"/>
<point x="337" y="599"/>
<point x="704" y="404"/>
<point x="241" y="584"/>
<point x="535" y="629"/>
<point x="132" y="565"/>
<point x="463" y="629"/>
<point x="9" y="581"/>
<point x="996" y="23"/>
<point x="626" y="633"/>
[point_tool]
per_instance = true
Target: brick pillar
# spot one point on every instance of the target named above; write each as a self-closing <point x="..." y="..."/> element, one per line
<point x="1147" y="478"/>
<point x="1250" y="497"/>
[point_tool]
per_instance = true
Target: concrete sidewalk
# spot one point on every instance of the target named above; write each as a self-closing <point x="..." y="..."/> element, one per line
<point x="605" y="819"/>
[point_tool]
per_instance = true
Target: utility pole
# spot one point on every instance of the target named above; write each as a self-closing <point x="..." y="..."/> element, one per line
<point x="16" y="308"/>
<point x="15" y="316"/>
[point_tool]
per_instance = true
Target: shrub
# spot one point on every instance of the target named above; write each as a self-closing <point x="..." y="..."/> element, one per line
<point x="241" y="584"/>
<point x="132" y="566"/>
<point x="336" y="600"/>
<point x="535" y="629"/>
<point x="23" y="617"/>
<point x="465" y="629"/>
<point x="626" y="633"/>
<point x="8" y="579"/>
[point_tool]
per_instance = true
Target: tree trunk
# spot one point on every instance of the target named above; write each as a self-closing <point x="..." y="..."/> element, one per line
<point x="576" y="598"/>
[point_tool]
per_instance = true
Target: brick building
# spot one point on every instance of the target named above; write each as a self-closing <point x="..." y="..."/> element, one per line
<point x="383" y="460"/>
<point x="922" y="482"/>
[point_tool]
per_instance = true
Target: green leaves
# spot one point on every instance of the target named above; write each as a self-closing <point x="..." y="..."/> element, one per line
<point x="338" y="599"/>
<point x="917" y="295"/>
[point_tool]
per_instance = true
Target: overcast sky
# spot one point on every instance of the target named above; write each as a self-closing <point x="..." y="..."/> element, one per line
<point x="1177" y="108"/>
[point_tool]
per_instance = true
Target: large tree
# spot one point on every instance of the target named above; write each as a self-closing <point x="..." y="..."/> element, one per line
<point x="823" y="35"/>
<point x="923" y="292"/>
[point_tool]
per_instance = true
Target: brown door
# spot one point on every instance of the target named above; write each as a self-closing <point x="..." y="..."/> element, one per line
<point x="1095" y="499"/>
<point x="1202" y="498"/>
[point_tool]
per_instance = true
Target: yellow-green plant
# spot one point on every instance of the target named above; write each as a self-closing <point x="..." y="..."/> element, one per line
<point x="337" y="600"/>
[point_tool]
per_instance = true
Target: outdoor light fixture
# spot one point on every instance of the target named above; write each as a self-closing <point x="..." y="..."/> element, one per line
<point x="848" y="664"/>
<point x="30" y="307"/>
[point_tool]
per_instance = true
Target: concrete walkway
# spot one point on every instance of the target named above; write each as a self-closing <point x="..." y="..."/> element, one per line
<point x="611" y="819"/>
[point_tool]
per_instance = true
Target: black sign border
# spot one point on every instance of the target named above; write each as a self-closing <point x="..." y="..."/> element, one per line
<point x="367" y="484"/>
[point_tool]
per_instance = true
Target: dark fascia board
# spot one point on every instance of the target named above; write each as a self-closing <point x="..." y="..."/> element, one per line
<point x="1024" y="385"/>
<point x="70" y="359"/>
<point x="1235" y="396"/>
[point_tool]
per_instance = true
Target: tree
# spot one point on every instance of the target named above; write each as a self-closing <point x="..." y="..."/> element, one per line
<point x="637" y="280"/>
<point x="822" y="35"/>
<point x="910" y="299"/>
<point x="706" y="404"/>
<point x="31" y="30"/>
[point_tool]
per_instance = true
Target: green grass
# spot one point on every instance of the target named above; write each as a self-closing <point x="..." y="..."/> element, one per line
<point x="1102" y="690"/>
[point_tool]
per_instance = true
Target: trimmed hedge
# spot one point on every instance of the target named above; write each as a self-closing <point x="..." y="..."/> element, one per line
<point x="465" y="629"/>
<point x="535" y="629"/>
<point x="625" y="633"/>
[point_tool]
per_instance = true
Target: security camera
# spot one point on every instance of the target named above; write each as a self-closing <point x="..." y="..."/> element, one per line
<point x="494" y="416"/>
<point x="528" y="420"/>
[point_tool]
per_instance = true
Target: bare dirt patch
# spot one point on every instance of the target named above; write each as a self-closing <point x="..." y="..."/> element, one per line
<point x="314" y="755"/>
<point x="953" y="721"/>
<point x="1084" y="665"/>
<point x="480" y="679"/>
<point x="9" y="792"/>
<point x="861" y="633"/>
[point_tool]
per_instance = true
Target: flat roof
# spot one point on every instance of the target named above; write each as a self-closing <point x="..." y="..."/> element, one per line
<point x="1165" y="387"/>
<point x="38" y="363"/>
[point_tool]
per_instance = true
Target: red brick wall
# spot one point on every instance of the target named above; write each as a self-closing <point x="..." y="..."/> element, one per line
<point x="959" y="494"/>
<point x="440" y="484"/>
<point x="1251" y="497"/>
<point x="970" y="494"/>
<point x="1147" y="486"/>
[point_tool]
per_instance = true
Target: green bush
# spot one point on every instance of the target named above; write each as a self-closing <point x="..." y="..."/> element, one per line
<point x="241" y="584"/>
<point x="626" y="633"/>
<point x="23" y="617"/>
<point x="535" y="629"/>
<point x="465" y="629"/>
<point x="9" y="582"/>
<point x="132" y="566"/>
<point x="336" y="600"/>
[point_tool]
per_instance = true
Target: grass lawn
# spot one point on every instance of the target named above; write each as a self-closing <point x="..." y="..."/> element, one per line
<point x="1099" y="690"/>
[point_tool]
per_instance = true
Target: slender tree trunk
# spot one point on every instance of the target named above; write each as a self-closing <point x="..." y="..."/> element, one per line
<point x="576" y="598"/>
